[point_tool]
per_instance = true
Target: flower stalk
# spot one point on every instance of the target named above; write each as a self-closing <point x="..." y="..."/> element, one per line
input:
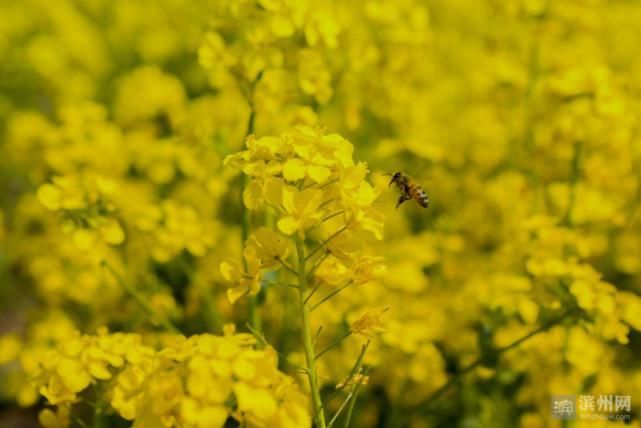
<point x="141" y="300"/>
<point x="311" y="183"/>
<point x="308" y="344"/>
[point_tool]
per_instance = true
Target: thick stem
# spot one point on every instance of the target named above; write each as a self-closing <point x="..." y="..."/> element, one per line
<point x="308" y="344"/>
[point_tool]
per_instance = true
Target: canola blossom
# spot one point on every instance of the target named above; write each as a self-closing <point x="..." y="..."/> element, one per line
<point x="197" y="227"/>
<point x="310" y="184"/>
<point x="187" y="382"/>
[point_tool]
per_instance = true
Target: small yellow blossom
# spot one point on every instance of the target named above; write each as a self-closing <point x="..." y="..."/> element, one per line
<point x="369" y="323"/>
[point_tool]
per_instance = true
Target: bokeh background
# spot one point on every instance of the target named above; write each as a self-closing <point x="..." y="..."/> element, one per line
<point x="519" y="118"/>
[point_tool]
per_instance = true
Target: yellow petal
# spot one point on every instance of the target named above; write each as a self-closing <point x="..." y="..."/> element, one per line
<point x="294" y="169"/>
<point x="529" y="310"/>
<point x="84" y="238"/>
<point x="73" y="374"/>
<point x="197" y="385"/>
<point x="99" y="370"/>
<point x="50" y="196"/>
<point x="48" y="419"/>
<point x="274" y="191"/>
<point x="290" y="196"/>
<point x="271" y="244"/>
<point x="288" y="225"/>
<point x="212" y="416"/>
<point x="257" y="401"/>
<point x="253" y="195"/>
<point x="189" y="410"/>
<point x="270" y="5"/>
<point x="27" y="396"/>
<point x="252" y="261"/>
<point x="106" y="186"/>
<point x="281" y="26"/>
<point x="310" y="199"/>
<point x="343" y="149"/>
<point x="231" y="270"/>
<point x="630" y="305"/>
<point x="112" y="232"/>
<point x="373" y="223"/>
<point x="235" y="293"/>
<point x="318" y="173"/>
<point x="365" y="194"/>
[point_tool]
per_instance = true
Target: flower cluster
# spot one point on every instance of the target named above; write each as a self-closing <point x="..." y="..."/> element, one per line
<point x="309" y="182"/>
<point x="309" y="179"/>
<point x="124" y="126"/>
<point x="287" y="41"/>
<point x="196" y="382"/>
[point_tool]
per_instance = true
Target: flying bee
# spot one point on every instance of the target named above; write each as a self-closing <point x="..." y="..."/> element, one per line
<point x="409" y="190"/>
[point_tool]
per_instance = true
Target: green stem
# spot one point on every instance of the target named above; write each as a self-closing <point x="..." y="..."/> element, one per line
<point x="212" y="315"/>
<point x="97" y="409"/>
<point x="320" y="260"/>
<point x="340" y="409"/>
<point x="335" y="343"/>
<point x="140" y="299"/>
<point x="355" y="369"/>
<point x="79" y="421"/>
<point x="323" y="220"/>
<point x="287" y="267"/>
<point x="325" y="242"/>
<point x="454" y="379"/>
<point x="575" y="171"/>
<point x="332" y="294"/>
<point x="352" y="404"/>
<point x="254" y="305"/>
<point x="97" y="417"/>
<point x="310" y="358"/>
<point x="350" y="411"/>
<point x="262" y="340"/>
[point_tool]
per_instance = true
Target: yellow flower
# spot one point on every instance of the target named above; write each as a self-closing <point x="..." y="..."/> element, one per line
<point x="257" y="403"/>
<point x="247" y="283"/>
<point x="112" y="232"/>
<point x="270" y="247"/>
<point x="64" y="193"/>
<point x="368" y="268"/>
<point x="302" y="209"/>
<point x="56" y="391"/>
<point x="299" y="168"/>
<point x="369" y="323"/>
<point x="631" y="307"/>
<point x="202" y="416"/>
<point x="50" y="196"/>
<point x="147" y="93"/>
<point x="58" y="419"/>
<point x="314" y="76"/>
<point x="73" y="374"/>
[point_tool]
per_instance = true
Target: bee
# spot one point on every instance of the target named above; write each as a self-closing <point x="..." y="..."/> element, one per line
<point x="409" y="190"/>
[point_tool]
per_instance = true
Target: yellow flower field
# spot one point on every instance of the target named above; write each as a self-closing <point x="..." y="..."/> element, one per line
<point x="296" y="214"/>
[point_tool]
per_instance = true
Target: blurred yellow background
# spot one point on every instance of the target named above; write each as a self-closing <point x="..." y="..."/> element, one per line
<point x="522" y="280"/>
